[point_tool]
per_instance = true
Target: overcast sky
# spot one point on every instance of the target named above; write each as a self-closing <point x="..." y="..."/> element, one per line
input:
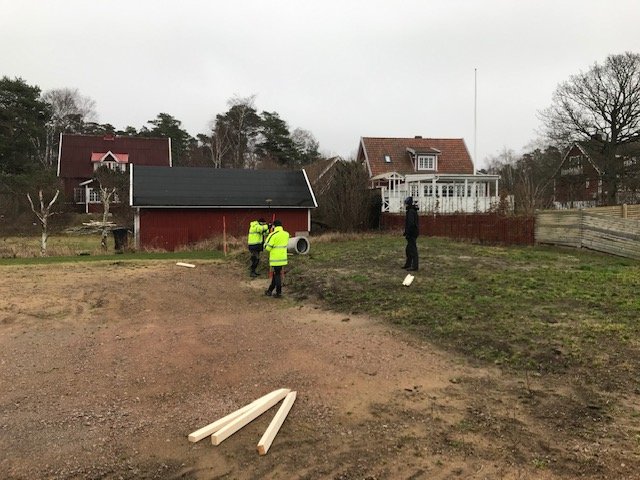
<point x="341" y="69"/>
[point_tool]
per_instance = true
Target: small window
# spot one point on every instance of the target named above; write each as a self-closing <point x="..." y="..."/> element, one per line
<point x="426" y="162"/>
<point x="387" y="159"/>
<point x="447" y="190"/>
<point x="78" y="195"/>
<point x="428" y="190"/>
<point x="94" y="195"/>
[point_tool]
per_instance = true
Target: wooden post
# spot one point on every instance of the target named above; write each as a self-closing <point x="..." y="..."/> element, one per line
<point x="624" y="210"/>
<point x="224" y="234"/>
<point x="276" y="423"/>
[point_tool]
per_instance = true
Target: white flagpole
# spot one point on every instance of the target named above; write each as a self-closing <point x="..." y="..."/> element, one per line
<point x="475" y="118"/>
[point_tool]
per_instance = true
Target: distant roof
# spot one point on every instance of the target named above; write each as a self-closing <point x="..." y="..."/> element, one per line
<point x="109" y="156"/>
<point x="321" y="173"/>
<point x="218" y="187"/>
<point x="77" y="152"/>
<point x="317" y="169"/>
<point x="453" y="156"/>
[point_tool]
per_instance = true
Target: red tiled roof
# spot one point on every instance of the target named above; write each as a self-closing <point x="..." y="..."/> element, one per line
<point x="454" y="157"/>
<point x="76" y="152"/>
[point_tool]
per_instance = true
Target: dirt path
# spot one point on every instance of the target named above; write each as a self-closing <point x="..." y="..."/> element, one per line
<point x="105" y="369"/>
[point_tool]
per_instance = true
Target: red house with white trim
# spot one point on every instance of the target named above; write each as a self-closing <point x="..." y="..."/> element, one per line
<point x="79" y="156"/>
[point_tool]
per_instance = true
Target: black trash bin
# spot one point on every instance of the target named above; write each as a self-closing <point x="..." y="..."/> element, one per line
<point x="120" y="239"/>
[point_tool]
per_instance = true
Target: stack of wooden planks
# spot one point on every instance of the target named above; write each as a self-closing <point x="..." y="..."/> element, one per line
<point x="230" y="424"/>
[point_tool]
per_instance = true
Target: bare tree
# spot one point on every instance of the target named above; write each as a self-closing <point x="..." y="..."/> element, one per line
<point x="70" y="111"/>
<point x="113" y="186"/>
<point x="43" y="216"/>
<point x="602" y="102"/>
<point x="347" y="204"/>
<point x="235" y="132"/>
<point x="528" y="177"/>
<point x="306" y="146"/>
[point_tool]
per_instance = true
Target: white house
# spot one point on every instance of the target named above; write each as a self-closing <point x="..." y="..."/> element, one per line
<point x="438" y="173"/>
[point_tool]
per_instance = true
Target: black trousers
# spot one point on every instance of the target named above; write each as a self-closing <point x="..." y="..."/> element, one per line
<point x="411" y="253"/>
<point x="276" y="280"/>
<point x="255" y="257"/>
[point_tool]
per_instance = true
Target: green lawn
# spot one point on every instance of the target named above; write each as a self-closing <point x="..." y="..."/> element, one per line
<point x="85" y="248"/>
<point x="536" y="308"/>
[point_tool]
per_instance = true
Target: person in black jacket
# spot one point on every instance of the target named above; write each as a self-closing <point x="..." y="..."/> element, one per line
<point x="411" y="231"/>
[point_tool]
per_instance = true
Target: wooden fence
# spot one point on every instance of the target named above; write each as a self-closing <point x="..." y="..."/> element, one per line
<point x="631" y="212"/>
<point x="484" y="228"/>
<point x="596" y="231"/>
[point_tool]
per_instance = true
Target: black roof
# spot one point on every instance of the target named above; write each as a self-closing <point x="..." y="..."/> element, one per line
<point x="217" y="187"/>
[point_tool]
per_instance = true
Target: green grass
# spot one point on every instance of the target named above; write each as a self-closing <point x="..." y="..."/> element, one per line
<point x="186" y="255"/>
<point x="540" y="308"/>
<point x="63" y="248"/>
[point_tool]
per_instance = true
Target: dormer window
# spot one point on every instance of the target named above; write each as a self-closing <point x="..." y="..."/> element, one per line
<point x="426" y="162"/>
<point x="113" y="161"/>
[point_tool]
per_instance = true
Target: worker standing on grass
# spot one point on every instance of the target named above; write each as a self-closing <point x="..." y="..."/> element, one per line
<point x="258" y="230"/>
<point x="276" y="244"/>
<point x="411" y="231"/>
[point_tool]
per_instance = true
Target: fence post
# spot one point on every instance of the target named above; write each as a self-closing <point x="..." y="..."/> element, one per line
<point x="624" y="210"/>
<point x="581" y="230"/>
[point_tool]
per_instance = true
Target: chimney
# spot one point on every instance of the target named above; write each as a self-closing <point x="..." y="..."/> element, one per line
<point x="109" y="137"/>
<point x="418" y="136"/>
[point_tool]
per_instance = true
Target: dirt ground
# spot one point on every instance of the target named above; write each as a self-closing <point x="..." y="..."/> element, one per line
<point x="106" y="368"/>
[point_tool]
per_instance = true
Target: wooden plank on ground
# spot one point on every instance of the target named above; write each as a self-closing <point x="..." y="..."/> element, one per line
<point x="218" y="424"/>
<point x="188" y="265"/>
<point x="408" y="280"/>
<point x="273" y="428"/>
<point x="258" y="409"/>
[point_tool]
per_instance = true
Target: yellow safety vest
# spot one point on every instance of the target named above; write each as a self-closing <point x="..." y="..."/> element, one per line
<point x="276" y="244"/>
<point x="256" y="232"/>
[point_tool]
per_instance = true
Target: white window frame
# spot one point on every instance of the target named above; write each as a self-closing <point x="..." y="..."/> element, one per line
<point x="94" y="195"/>
<point x="115" y="166"/>
<point x="426" y="162"/>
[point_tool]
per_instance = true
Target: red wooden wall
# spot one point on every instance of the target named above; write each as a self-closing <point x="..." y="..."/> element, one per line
<point x="172" y="227"/>
<point x="489" y="227"/>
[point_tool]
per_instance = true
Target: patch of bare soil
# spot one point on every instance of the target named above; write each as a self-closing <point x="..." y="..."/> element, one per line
<point x="106" y="368"/>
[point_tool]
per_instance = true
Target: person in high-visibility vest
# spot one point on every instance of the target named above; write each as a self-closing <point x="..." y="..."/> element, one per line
<point x="276" y="244"/>
<point x="258" y="230"/>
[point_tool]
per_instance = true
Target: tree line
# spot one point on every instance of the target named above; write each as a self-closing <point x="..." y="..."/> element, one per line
<point x="31" y="122"/>
<point x="241" y="137"/>
<point x="600" y="105"/>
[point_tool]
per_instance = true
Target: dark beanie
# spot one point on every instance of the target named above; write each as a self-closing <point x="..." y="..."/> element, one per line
<point x="408" y="201"/>
<point x="277" y="223"/>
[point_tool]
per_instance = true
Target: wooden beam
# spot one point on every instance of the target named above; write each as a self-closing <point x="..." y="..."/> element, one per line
<point x="189" y="265"/>
<point x="258" y="409"/>
<point x="218" y="424"/>
<point x="273" y="428"/>
<point x="408" y="280"/>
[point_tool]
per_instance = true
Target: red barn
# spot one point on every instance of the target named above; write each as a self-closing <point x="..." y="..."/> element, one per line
<point x="183" y="205"/>
<point x="80" y="155"/>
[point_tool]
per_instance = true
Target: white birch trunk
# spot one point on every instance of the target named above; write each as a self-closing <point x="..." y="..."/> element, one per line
<point x="43" y="216"/>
